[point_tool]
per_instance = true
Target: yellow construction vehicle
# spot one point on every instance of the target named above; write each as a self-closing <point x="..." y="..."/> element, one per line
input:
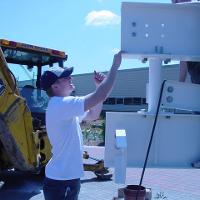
<point x="24" y="144"/>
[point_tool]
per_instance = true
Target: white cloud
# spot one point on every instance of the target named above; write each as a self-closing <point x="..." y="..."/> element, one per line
<point x="101" y="18"/>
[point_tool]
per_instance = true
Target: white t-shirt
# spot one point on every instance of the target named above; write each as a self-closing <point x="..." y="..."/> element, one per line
<point x="62" y="122"/>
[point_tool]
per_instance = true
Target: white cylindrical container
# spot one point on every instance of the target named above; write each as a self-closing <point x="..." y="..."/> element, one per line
<point x="155" y="81"/>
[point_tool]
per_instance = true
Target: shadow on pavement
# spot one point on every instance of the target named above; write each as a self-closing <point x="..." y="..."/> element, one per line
<point x="20" y="185"/>
<point x="94" y="180"/>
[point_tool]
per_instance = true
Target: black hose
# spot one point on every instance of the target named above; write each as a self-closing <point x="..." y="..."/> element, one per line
<point x="151" y="138"/>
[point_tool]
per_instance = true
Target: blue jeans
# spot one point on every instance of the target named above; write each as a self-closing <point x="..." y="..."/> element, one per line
<point x="61" y="189"/>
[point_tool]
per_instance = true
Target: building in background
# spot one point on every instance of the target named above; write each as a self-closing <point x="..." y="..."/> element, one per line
<point x="129" y="92"/>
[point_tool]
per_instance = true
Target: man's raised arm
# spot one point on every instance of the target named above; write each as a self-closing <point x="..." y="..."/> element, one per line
<point x="103" y="90"/>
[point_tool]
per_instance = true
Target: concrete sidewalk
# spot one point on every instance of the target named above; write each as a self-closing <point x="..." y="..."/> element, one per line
<point x="175" y="184"/>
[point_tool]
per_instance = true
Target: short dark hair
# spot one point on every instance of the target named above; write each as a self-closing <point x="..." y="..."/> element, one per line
<point x="50" y="92"/>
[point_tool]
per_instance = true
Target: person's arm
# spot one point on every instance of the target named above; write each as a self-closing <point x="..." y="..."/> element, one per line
<point x="102" y="91"/>
<point x="95" y="111"/>
<point x="183" y="71"/>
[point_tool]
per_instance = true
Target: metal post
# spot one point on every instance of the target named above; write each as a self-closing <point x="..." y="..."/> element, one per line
<point x="155" y="80"/>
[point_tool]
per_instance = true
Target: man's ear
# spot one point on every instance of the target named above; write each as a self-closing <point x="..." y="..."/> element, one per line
<point x="54" y="86"/>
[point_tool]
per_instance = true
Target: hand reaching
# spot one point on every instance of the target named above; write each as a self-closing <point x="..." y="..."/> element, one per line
<point x="117" y="59"/>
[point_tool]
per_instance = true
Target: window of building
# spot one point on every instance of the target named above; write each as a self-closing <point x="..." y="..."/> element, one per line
<point x="144" y="101"/>
<point x="120" y="101"/>
<point x="128" y="101"/>
<point x="111" y="101"/>
<point x="125" y="101"/>
<point x="137" y="101"/>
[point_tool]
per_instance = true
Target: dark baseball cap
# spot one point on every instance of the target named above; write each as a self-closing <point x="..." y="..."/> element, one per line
<point x="50" y="77"/>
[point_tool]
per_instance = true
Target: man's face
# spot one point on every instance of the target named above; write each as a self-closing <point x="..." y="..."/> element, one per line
<point x="64" y="85"/>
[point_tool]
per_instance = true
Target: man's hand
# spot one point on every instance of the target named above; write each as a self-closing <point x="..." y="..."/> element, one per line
<point x="117" y="60"/>
<point x="98" y="78"/>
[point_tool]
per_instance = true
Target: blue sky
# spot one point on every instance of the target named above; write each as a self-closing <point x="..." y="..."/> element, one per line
<point x="87" y="30"/>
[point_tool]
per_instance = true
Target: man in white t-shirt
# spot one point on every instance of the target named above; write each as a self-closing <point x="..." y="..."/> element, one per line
<point x="63" y="115"/>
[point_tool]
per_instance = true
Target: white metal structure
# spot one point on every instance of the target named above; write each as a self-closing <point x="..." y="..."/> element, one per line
<point x="160" y="32"/>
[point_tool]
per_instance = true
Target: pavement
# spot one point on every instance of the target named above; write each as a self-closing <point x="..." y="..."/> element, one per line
<point x="168" y="184"/>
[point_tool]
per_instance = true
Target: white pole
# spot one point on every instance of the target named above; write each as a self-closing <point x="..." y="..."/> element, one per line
<point x="154" y="84"/>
